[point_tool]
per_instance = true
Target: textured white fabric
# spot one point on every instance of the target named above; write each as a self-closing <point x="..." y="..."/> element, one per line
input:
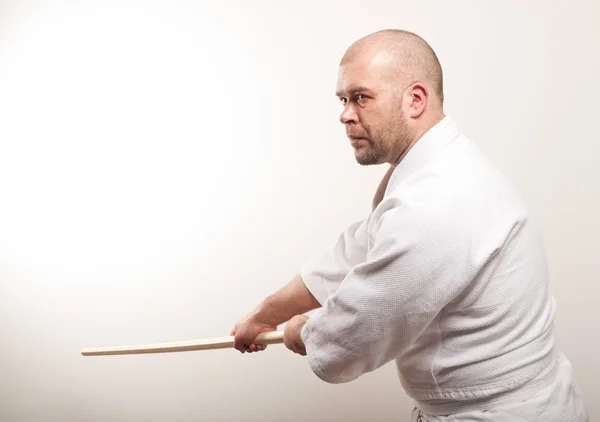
<point x="561" y="401"/>
<point x="447" y="276"/>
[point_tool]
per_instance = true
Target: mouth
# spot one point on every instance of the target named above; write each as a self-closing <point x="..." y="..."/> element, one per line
<point x="357" y="140"/>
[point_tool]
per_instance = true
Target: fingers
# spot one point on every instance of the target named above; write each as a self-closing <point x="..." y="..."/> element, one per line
<point x="255" y="348"/>
<point x="240" y="345"/>
<point x="244" y="334"/>
<point x="250" y="348"/>
<point x="238" y="342"/>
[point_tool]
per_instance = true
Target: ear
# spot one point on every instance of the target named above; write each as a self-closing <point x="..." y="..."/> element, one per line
<point x="418" y="96"/>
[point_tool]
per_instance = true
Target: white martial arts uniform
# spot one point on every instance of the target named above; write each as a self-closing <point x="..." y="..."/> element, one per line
<point x="447" y="276"/>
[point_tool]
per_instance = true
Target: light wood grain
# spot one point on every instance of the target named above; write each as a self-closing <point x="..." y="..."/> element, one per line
<point x="271" y="337"/>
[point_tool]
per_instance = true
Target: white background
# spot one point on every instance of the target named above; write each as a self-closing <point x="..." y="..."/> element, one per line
<point x="166" y="165"/>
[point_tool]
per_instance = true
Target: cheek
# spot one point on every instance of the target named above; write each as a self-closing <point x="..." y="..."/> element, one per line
<point x="380" y="123"/>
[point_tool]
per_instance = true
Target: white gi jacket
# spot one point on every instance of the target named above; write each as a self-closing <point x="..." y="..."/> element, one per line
<point x="446" y="276"/>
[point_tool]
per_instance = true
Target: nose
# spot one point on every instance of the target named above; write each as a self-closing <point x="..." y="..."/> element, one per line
<point x="348" y="115"/>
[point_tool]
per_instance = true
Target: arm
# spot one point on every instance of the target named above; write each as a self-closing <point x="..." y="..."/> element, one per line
<point x="419" y="261"/>
<point x="318" y="279"/>
<point x="292" y="299"/>
<point x="327" y="269"/>
<point x="324" y="272"/>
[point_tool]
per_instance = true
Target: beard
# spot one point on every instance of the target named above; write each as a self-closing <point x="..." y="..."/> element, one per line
<point x="372" y="153"/>
<point x="385" y="144"/>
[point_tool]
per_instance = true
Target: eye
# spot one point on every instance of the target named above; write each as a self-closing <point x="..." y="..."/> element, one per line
<point x="360" y="98"/>
<point x="343" y="101"/>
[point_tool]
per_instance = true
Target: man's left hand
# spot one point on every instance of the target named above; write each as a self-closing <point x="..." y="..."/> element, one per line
<point x="292" y="334"/>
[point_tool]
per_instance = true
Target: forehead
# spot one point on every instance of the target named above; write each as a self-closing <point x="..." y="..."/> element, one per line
<point x="369" y="73"/>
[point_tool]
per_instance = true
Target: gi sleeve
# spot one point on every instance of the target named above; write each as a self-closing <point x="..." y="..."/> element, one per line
<point x="324" y="272"/>
<point x="417" y="264"/>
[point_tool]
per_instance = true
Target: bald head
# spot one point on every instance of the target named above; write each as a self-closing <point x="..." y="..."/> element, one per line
<point x="390" y="84"/>
<point x="408" y="57"/>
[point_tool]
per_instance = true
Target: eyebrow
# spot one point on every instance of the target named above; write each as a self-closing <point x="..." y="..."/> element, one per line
<point x="354" y="90"/>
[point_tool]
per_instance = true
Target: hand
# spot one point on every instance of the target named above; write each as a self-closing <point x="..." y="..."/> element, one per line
<point x="292" y="334"/>
<point x="246" y="330"/>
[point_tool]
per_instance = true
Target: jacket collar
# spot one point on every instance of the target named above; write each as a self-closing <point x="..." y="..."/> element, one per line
<point x="434" y="140"/>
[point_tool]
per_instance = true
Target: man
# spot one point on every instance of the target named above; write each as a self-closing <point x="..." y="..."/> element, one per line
<point x="447" y="274"/>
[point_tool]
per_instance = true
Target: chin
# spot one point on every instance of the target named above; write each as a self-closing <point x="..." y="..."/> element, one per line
<point x="366" y="160"/>
<point x="367" y="156"/>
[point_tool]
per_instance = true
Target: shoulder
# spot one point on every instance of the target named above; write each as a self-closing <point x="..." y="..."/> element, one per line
<point x="459" y="192"/>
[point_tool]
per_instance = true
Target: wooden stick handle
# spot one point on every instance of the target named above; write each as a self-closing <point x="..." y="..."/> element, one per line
<point x="269" y="337"/>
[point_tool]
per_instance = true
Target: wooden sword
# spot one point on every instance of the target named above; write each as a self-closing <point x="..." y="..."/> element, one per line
<point x="269" y="337"/>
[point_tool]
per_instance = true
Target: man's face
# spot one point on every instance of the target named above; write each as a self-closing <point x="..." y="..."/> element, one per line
<point x="373" y="116"/>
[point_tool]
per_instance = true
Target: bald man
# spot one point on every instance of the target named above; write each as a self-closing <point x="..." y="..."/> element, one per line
<point x="446" y="276"/>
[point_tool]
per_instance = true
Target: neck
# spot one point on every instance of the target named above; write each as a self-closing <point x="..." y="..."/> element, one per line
<point x="421" y="129"/>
